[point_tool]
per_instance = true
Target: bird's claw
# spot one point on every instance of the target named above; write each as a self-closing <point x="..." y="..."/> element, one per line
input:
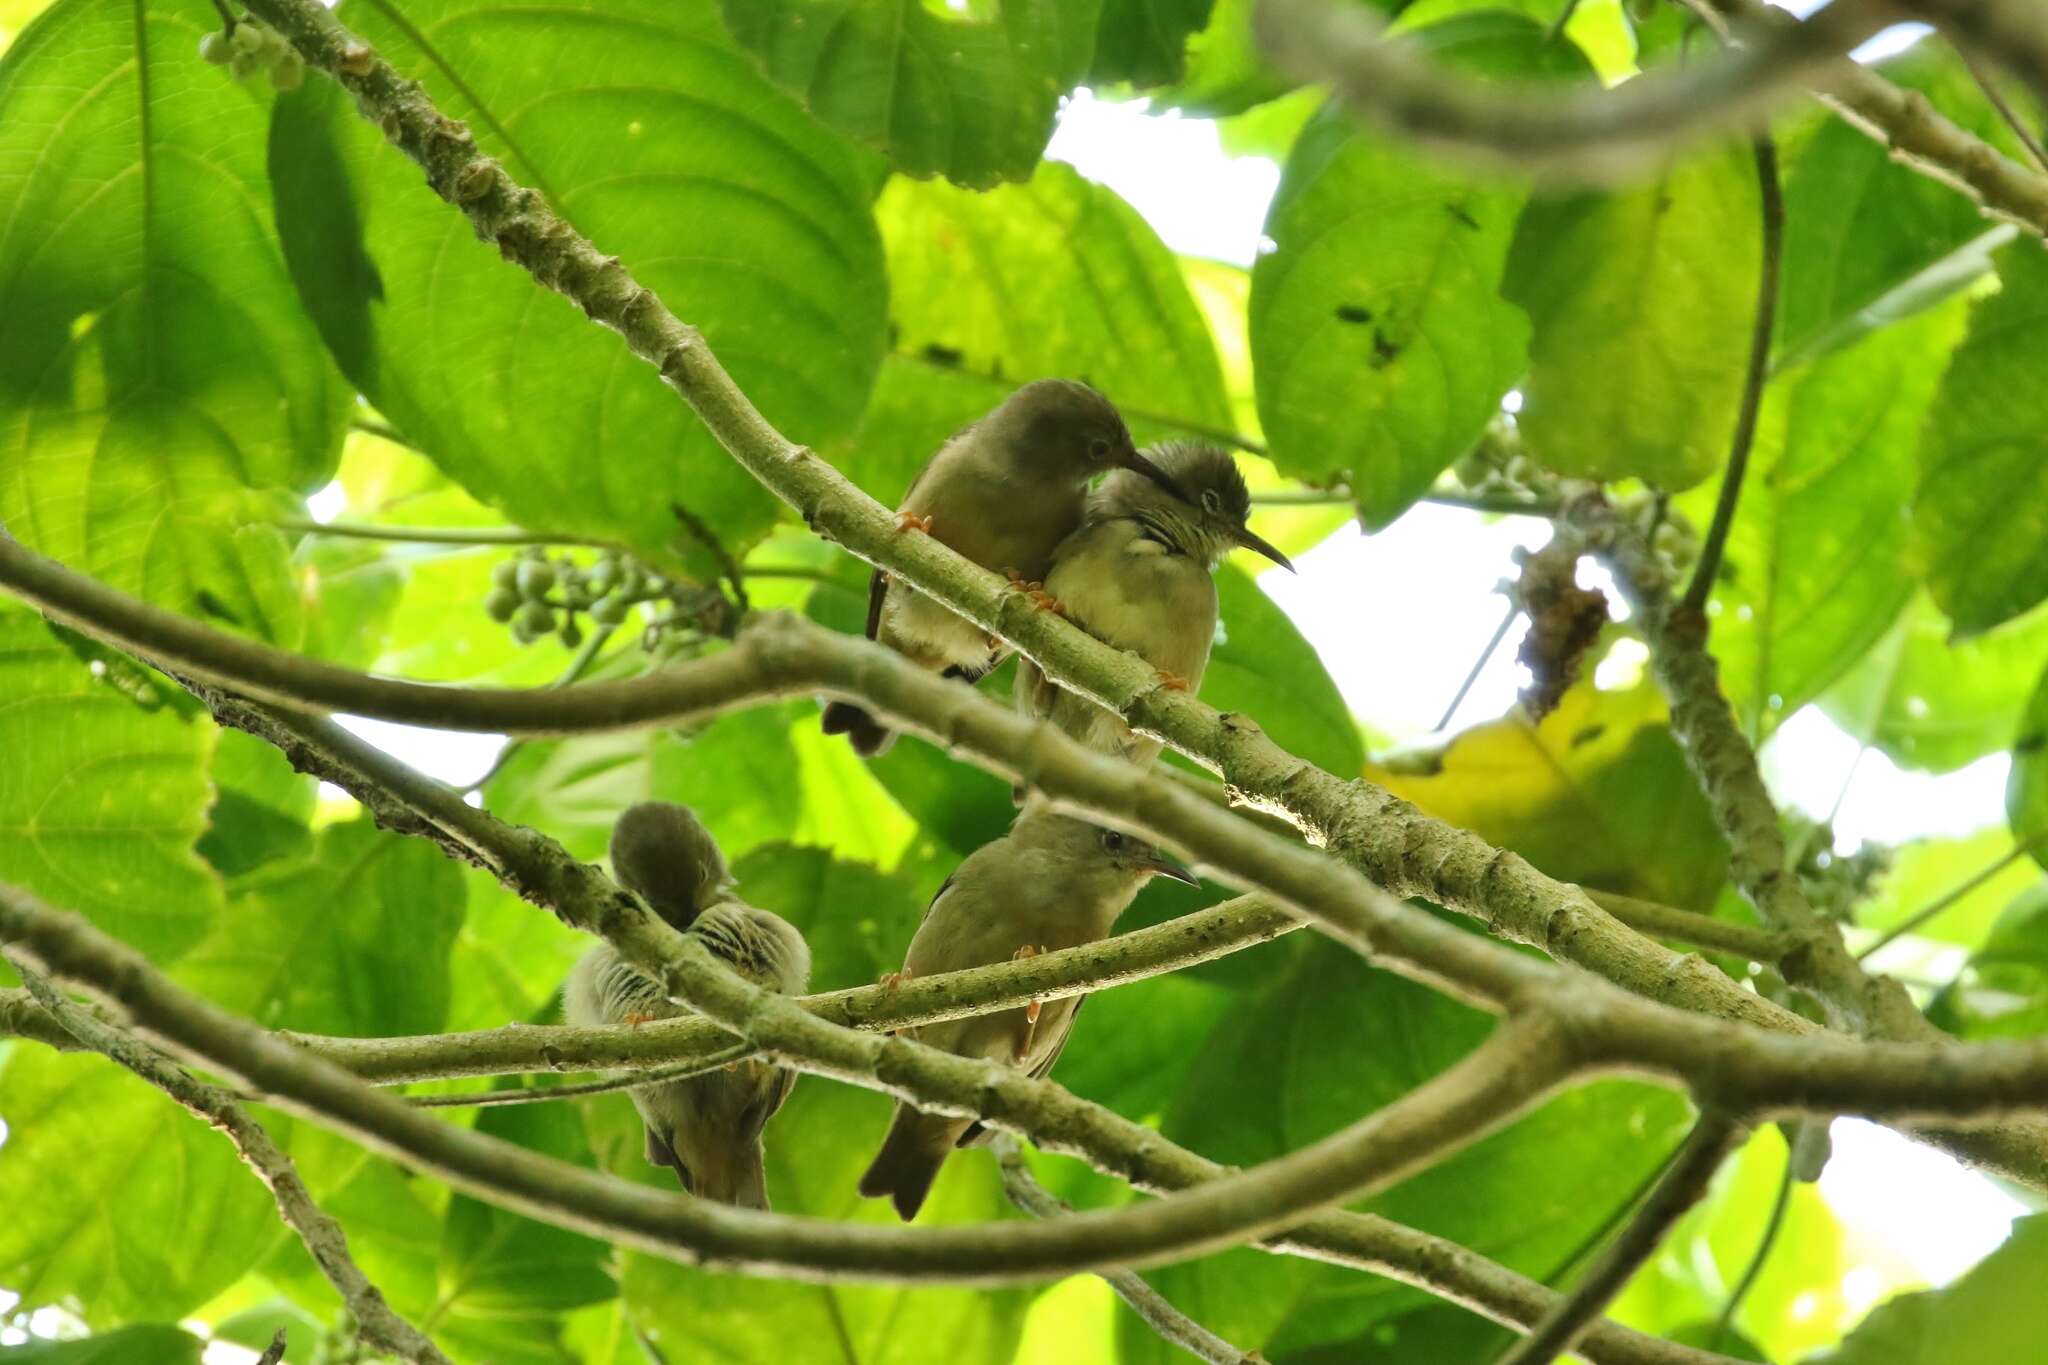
<point x="634" y="1019"/>
<point x="1021" y="583"/>
<point x="889" y="981"/>
<point x="1047" y="602"/>
<point x="1031" y="1007"/>
<point x="911" y="521"/>
<point x="1174" y="682"/>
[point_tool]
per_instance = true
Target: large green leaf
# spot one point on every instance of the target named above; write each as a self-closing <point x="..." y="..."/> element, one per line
<point x="1980" y="519"/>
<point x="1815" y="569"/>
<point x="262" y="807"/>
<point x="1329" y="1040"/>
<point x="1265" y="668"/>
<point x="1642" y="301"/>
<point x="1929" y="870"/>
<point x="104" y="789"/>
<point x="148" y="1344"/>
<point x="1597" y="793"/>
<point x="499" y="1269"/>
<point x="2026" y="787"/>
<point x="350" y="939"/>
<point x="119" y="1203"/>
<point x="1056" y="277"/>
<point x="2002" y="992"/>
<point x="657" y="139"/>
<point x="1934" y="703"/>
<point x="155" y="366"/>
<point x="967" y="92"/>
<point x="1144" y="41"/>
<point x="1995" y="1312"/>
<point x="1381" y="342"/>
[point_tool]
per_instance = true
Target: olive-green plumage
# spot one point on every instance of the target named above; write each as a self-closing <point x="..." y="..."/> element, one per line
<point x="1137" y="573"/>
<point x="708" y="1128"/>
<point x="1003" y="493"/>
<point x="1051" y="882"/>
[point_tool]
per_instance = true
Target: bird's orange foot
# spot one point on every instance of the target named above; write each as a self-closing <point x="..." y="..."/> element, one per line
<point x="1021" y="583"/>
<point x="911" y="521"/>
<point x="1174" y="682"/>
<point x="1047" y="602"/>
<point x="1032" y="1007"/>
<point x="634" y="1019"/>
<point x="889" y="981"/>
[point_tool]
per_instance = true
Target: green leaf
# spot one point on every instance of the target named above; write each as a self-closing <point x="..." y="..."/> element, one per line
<point x="509" y="959"/>
<point x="1991" y="1313"/>
<point x="1980" y="519"/>
<point x="500" y="1265"/>
<point x="1144" y="41"/>
<point x="964" y="92"/>
<point x="393" y="1222"/>
<point x="1263" y="667"/>
<point x="1598" y="794"/>
<point x="1381" y="355"/>
<point x="2026" y="787"/>
<point x="351" y="939"/>
<point x="1642" y="301"/>
<point x="2002" y="992"/>
<point x="658" y="140"/>
<point x="118" y="1201"/>
<point x="857" y="920"/>
<point x="1928" y="870"/>
<point x="1815" y="569"/>
<point x="155" y="366"/>
<point x="1330" y="1039"/>
<point x="104" y="790"/>
<point x="1056" y="277"/>
<point x="1934" y="704"/>
<point x="817" y="1147"/>
<point x="738" y="773"/>
<point x="148" y="1344"/>
<point x="262" y="809"/>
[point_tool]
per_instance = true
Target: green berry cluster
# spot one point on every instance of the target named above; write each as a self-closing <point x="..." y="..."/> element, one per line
<point x="538" y="595"/>
<point x="248" y="47"/>
<point x="1835" y="883"/>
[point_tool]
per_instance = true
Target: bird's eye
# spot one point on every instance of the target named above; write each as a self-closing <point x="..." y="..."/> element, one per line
<point x="1099" y="447"/>
<point x="1212" y="501"/>
<point x="1112" y="840"/>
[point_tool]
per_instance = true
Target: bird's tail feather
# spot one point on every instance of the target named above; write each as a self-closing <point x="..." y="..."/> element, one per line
<point x="734" y="1176"/>
<point x="869" y="736"/>
<point x="909" y="1161"/>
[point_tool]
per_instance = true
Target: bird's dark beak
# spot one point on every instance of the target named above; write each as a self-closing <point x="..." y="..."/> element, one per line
<point x="1161" y="865"/>
<point x="1244" y="537"/>
<point x="1133" y="460"/>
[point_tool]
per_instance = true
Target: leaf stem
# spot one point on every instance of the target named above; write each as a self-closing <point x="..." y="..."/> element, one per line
<point x="1773" y="202"/>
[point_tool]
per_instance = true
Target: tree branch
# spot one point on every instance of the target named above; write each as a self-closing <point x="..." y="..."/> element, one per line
<point x="1681" y="1186"/>
<point x="1174" y="1327"/>
<point x="1585" y="133"/>
<point x="1917" y="133"/>
<point x="1514" y="1069"/>
<point x="2010" y="32"/>
<point x="328" y="1244"/>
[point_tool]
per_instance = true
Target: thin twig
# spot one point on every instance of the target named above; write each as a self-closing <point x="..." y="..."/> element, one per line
<point x="324" y="1238"/>
<point x="1586" y="132"/>
<point x="541" y="1094"/>
<point x="274" y="1352"/>
<point x="1682" y="1186"/>
<point x="1152" y="1307"/>
<point x="1500" y="632"/>
<point x="1772" y="200"/>
<point x="1702" y="931"/>
<point x="720" y="555"/>
<point x="1919" y="918"/>
<point x="437" y="535"/>
<point x="383" y="431"/>
<point x="1988" y="82"/>
<point x="1772" y="1227"/>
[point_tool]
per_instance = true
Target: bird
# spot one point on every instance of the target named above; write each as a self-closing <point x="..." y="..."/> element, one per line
<point x="1052" y="882"/>
<point x="1003" y="492"/>
<point x="1137" y="574"/>
<point x="706" y="1128"/>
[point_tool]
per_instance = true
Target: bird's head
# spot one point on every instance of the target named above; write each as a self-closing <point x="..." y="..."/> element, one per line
<point x="1205" y="519"/>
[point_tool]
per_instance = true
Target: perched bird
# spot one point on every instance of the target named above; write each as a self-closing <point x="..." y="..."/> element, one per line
<point x="1003" y="492"/>
<point x="1051" y="882"/>
<point x="707" y="1128"/>
<point x="1137" y="574"/>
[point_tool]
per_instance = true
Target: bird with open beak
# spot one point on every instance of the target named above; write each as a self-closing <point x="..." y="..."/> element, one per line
<point x="1003" y="492"/>
<point x="1051" y="882"/>
<point x="1138" y="574"/>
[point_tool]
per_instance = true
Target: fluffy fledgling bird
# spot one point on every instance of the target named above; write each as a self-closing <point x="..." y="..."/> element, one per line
<point x="1003" y="492"/>
<point x="1051" y="882"/>
<point x="1137" y="573"/>
<point x="707" y="1128"/>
